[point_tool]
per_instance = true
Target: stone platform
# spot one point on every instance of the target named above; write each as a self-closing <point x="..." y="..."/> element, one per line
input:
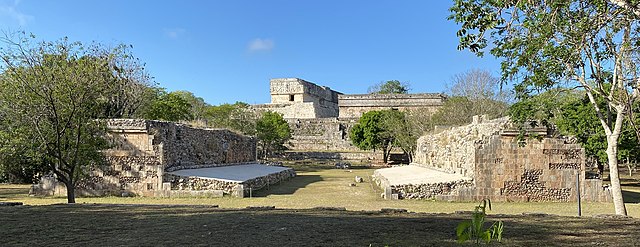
<point x="413" y="174"/>
<point x="414" y="181"/>
<point x="235" y="180"/>
<point x="235" y="173"/>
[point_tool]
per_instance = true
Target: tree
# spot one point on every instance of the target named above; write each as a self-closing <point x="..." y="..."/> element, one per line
<point x="582" y="43"/>
<point x="371" y="133"/>
<point x="52" y="92"/>
<point x="235" y="116"/>
<point x="131" y="86"/>
<point x="169" y="107"/>
<point x="272" y="132"/>
<point x="398" y="128"/>
<point x="198" y="106"/>
<point x="389" y="87"/>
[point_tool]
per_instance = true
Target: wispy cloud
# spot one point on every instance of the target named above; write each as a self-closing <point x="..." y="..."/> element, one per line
<point x="257" y="45"/>
<point x="174" y="33"/>
<point x="9" y="10"/>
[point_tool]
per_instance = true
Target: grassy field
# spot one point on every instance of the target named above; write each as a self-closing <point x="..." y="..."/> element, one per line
<point x="195" y="221"/>
<point x="321" y="186"/>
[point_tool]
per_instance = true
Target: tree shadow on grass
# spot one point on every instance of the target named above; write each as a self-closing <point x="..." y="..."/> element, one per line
<point x="287" y="187"/>
<point x="62" y="225"/>
<point x="631" y="196"/>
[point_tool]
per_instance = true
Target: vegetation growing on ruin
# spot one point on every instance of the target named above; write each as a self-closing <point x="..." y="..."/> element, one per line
<point x="590" y="45"/>
<point x="390" y="87"/>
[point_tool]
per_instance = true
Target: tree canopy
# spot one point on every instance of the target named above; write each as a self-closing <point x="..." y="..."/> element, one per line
<point x="590" y="44"/>
<point x="272" y="132"/>
<point x="382" y="130"/>
<point x="389" y="87"/>
<point x="53" y="92"/>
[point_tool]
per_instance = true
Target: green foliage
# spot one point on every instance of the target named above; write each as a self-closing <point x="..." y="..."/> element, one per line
<point x="474" y="229"/>
<point x="459" y="110"/>
<point x="130" y="87"/>
<point x="389" y="87"/>
<point x="169" y="107"/>
<point x="272" y="132"/>
<point x="52" y="92"/>
<point x="384" y="130"/>
<point x="591" y="45"/>
<point x="572" y="114"/>
<point x="578" y="118"/>
<point x="235" y="116"/>
<point x="198" y="109"/>
<point x="368" y="134"/>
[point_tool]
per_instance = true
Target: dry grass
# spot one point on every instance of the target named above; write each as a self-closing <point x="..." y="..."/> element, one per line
<point x="97" y="221"/>
<point x="321" y="186"/>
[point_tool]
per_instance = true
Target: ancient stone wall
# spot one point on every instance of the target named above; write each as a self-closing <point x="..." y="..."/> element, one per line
<point x="542" y="170"/>
<point x="184" y="147"/>
<point x="297" y="98"/>
<point x="503" y="169"/>
<point x="322" y="134"/>
<point x="429" y="191"/>
<point x="453" y="150"/>
<point x="354" y="105"/>
<point x="184" y="183"/>
<point x="142" y="151"/>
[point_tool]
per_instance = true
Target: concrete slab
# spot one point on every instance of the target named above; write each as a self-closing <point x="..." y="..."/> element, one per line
<point x="412" y="174"/>
<point x="235" y="173"/>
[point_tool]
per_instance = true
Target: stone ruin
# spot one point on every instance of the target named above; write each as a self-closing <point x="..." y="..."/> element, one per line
<point x="146" y="158"/>
<point x="320" y="118"/>
<point x="354" y="105"/>
<point x="297" y="98"/>
<point x="490" y="162"/>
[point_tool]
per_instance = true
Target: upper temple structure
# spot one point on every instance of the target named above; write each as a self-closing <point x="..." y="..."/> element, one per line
<point x="300" y="99"/>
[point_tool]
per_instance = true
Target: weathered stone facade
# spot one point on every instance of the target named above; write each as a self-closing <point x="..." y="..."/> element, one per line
<point x="321" y="118"/>
<point x="322" y="134"/>
<point x="503" y="169"/>
<point x="144" y="152"/>
<point x="354" y="105"/>
<point x="297" y="98"/>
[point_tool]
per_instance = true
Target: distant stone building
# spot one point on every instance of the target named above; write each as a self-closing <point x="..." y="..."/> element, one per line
<point x="320" y="118"/>
<point x="297" y="98"/>
<point x="354" y="105"/>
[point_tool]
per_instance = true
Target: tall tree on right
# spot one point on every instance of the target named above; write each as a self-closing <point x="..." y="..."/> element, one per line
<point x="590" y="44"/>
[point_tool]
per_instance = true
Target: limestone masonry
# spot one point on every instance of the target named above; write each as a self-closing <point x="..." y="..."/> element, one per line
<point x="299" y="99"/>
<point x="320" y="118"/>
<point x="144" y="153"/>
<point x="501" y="168"/>
<point x="354" y="105"/>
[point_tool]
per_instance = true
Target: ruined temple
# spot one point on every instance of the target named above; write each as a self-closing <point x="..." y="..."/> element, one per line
<point x="297" y="98"/>
<point x="157" y="158"/>
<point x="320" y="118"/>
<point x="487" y="160"/>
<point x="354" y="105"/>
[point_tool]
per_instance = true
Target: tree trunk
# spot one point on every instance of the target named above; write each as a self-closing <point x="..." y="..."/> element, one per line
<point x="616" y="189"/>
<point x="71" y="193"/>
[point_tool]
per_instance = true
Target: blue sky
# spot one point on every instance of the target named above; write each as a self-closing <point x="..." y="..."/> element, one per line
<point x="226" y="51"/>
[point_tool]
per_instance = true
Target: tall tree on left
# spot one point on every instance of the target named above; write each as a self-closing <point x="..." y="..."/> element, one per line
<point x="53" y="92"/>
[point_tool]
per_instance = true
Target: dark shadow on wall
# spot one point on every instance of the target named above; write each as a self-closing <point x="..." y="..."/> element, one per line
<point x="287" y="187"/>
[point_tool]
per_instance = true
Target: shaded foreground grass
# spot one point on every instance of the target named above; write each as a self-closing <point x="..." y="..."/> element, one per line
<point x="144" y="225"/>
